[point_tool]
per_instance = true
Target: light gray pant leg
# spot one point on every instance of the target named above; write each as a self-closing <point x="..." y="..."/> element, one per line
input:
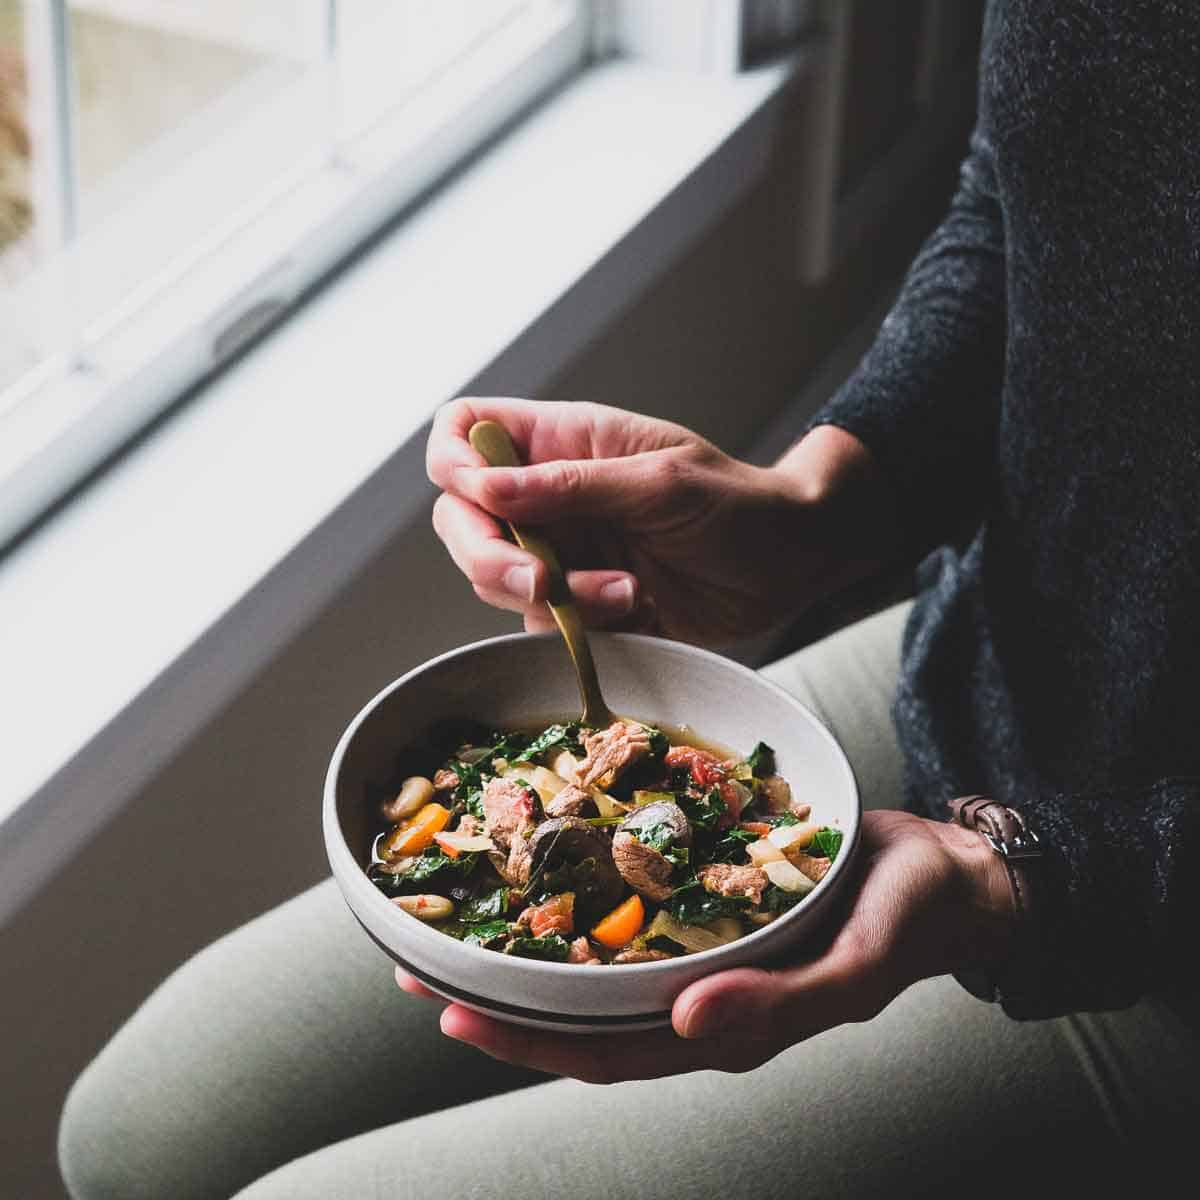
<point x="282" y="1037"/>
<point x="848" y="679"/>
<point x="940" y="1097"/>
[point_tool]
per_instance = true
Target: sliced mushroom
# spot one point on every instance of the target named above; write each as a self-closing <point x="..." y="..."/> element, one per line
<point x="571" y="843"/>
<point x="645" y="869"/>
<point x="661" y="812"/>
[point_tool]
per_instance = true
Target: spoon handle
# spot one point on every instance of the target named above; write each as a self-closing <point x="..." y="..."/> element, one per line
<point x="493" y="442"/>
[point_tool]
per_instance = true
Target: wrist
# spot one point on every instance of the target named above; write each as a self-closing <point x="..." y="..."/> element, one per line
<point x="1007" y="970"/>
<point x="842" y="503"/>
<point x="992" y="922"/>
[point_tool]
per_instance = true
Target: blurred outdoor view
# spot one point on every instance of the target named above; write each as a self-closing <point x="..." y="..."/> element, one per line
<point x="156" y="82"/>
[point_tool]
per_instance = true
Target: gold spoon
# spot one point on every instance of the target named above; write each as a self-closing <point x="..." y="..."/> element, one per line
<point x="493" y="442"/>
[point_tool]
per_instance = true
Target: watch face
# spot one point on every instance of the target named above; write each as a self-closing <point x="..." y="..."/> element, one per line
<point x="978" y="982"/>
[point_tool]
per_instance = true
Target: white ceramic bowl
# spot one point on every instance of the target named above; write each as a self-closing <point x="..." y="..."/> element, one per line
<point x="520" y="680"/>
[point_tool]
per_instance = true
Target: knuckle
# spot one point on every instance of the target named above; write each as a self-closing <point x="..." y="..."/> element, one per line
<point x="567" y="478"/>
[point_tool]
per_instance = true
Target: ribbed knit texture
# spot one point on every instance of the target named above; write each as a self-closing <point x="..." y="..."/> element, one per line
<point x="1034" y="397"/>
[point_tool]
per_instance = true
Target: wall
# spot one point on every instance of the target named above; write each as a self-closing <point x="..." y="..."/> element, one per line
<point x="724" y="342"/>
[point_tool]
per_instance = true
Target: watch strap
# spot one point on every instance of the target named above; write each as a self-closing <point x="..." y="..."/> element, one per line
<point x="1012" y="837"/>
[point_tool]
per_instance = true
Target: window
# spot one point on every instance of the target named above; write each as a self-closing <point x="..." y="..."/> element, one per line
<point x="175" y="173"/>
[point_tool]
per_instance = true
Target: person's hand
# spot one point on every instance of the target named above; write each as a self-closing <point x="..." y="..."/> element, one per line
<point x="657" y="528"/>
<point x="931" y="899"/>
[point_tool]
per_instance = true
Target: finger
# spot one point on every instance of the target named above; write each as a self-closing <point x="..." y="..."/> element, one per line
<point x="564" y="488"/>
<point x="846" y="984"/>
<point x="602" y="597"/>
<point x="449" y="446"/>
<point x="642" y="619"/>
<point x="406" y="983"/>
<point x="541" y="431"/>
<point x="599" y="1058"/>
<point x="479" y="548"/>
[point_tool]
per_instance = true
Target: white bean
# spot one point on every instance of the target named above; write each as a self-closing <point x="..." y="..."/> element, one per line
<point x="415" y="792"/>
<point x="426" y="908"/>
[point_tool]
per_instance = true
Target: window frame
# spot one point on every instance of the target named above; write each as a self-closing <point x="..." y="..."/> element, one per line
<point x="77" y="407"/>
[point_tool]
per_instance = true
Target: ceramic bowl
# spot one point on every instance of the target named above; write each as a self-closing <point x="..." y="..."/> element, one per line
<point x="521" y="680"/>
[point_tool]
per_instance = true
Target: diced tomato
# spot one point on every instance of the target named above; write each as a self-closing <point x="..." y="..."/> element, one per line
<point x="735" y="801"/>
<point x="556" y="915"/>
<point x="706" y="768"/>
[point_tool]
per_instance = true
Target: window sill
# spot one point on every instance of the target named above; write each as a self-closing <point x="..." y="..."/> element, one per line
<point x="145" y="604"/>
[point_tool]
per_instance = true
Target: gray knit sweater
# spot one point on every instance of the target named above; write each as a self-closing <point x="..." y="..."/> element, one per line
<point x="1034" y="397"/>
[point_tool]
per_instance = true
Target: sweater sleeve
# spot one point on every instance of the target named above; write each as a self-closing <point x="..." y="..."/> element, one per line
<point x="1118" y="908"/>
<point x="925" y="398"/>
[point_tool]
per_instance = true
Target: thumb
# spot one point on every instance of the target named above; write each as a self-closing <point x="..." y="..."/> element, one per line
<point x="741" y="1000"/>
<point x="783" y="1006"/>
<point x="596" y="487"/>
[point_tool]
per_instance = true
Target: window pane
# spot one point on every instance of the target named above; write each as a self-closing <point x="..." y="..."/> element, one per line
<point x="18" y="352"/>
<point x="194" y="118"/>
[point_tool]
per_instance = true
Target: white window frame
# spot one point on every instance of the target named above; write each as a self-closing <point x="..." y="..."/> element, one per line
<point x="77" y="407"/>
<point x="111" y="377"/>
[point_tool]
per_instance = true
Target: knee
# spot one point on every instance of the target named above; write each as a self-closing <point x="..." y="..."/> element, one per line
<point x="96" y="1158"/>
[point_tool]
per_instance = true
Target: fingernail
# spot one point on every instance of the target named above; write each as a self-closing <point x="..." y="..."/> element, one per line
<point x="447" y="1020"/>
<point x="519" y="581"/>
<point x="619" y="594"/>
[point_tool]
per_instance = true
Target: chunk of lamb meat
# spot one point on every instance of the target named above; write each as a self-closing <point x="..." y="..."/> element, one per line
<point x="511" y="813"/>
<point x="509" y="809"/>
<point x="640" y="956"/>
<point x="644" y="869"/>
<point x="581" y="952"/>
<point x="610" y="752"/>
<point x="572" y="801"/>
<point x="725" y="879"/>
<point x="812" y="866"/>
<point x="514" y="865"/>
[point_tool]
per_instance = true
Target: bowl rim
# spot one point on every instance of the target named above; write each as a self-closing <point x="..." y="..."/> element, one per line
<point x="339" y="852"/>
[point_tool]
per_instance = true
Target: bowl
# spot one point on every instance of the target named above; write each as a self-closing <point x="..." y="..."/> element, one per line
<point x="524" y="679"/>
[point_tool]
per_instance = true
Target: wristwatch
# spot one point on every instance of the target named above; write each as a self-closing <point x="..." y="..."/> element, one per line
<point x="1012" y="837"/>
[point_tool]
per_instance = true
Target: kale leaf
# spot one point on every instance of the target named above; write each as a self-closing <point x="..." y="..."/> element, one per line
<point x="691" y="904"/>
<point x="550" y="948"/>
<point x="430" y="863"/>
<point x="487" y="907"/>
<point x="656" y="837"/>
<point x="826" y="842"/>
<point x="659" y="742"/>
<point x="706" y="812"/>
<point x="483" y="933"/>
<point x="732" y="847"/>
<point x="434" y="862"/>
<point x="776" y="900"/>
<point x="565" y="737"/>
<point x="761" y="761"/>
<point x="783" y="818"/>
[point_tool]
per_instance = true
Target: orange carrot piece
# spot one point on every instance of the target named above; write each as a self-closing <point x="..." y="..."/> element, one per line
<point x="415" y="834"/>
<point x="622" y="924"/>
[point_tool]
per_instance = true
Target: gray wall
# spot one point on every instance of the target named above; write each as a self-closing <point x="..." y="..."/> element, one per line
<point x="724" y="343"/>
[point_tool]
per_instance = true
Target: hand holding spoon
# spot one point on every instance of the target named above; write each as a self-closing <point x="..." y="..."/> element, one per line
<point x="492" y="441"/>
